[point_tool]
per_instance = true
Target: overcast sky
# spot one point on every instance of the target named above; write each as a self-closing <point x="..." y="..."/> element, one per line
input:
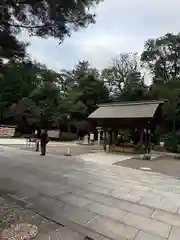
<point x="121" y="26"/>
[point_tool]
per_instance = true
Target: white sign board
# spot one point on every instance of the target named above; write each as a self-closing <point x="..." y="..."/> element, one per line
<point x="53" y="133"/>
<point x="6" y="131"/>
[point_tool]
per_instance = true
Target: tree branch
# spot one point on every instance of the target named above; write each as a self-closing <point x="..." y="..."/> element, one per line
<point x="26" y="26"/>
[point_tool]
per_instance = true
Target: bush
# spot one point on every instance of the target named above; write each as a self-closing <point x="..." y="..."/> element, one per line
<point x="172" y="142"/>
<point x="65" y="136"/>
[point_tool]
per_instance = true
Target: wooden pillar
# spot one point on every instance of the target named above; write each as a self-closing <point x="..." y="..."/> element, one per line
<point x="145" y="139"/>
<point x="149" y="140"/>
<point x="110" y="136"/>
<point x="110" y="140"/>
<point x="105" y="139"/>
<point x="114" y="137"/>
<point x="147" y="133"/>
<point x="141" y="137"/>
<point x="149" y="137"/>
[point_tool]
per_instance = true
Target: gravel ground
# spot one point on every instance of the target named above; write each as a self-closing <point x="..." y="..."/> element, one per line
<point x="11" y="214"/>
<point x="165" y="164"/>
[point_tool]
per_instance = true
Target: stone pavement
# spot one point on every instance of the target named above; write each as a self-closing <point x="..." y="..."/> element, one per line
<point x="104" y="158"/>
<point x="99" y="201"/>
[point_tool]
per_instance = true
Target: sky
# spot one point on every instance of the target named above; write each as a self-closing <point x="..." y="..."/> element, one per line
<point x="121" y="26"/>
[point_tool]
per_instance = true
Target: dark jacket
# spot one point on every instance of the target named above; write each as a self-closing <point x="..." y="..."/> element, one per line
<point x="44" y="138"/>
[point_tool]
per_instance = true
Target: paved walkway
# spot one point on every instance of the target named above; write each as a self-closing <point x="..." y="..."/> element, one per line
<point x="99" y="201"/>
<point x="104" y="158"/>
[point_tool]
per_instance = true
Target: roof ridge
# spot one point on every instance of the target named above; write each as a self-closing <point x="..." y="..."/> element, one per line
<point x="131" y="103"/>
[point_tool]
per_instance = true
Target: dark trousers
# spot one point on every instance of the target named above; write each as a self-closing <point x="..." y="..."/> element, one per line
<point x="43" y="149"/>
<point x="37" y="146"/>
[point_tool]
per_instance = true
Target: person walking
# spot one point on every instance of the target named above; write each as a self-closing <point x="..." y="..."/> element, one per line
<point x="44" y="140"/>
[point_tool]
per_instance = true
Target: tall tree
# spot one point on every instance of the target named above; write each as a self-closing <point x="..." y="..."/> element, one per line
<point x="41" y="103"/>
<point x="83" y="90"/>
<point x="25" y="114"/>
<point x="87" y="86"/>
<point x="171" y="92"/>
<point x="162" y="57"/>
<point x="18" y="80"/>
<point x="135" y="89"/>
<point x="117" y="74"/>
<point x="124" y="79"/>
<point x="47" y="96"/>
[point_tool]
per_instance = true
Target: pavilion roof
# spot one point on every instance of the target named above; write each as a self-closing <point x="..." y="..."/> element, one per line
<point x="126" y="110"/>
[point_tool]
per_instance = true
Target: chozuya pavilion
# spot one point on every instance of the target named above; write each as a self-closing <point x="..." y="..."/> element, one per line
<point x="140" y="117"/>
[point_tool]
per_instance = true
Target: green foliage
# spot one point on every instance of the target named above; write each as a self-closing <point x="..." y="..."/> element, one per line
<point x="25" y="113"/>
<point x="47" y="18"/>
<point x="162" y="55"/>
<point x="10" y="47"/>
<point x="65" y="136"/>
<point x="124" y="79"/>
<point x="85" y="90"/>
<point x="34" y="96"/>
<point x="172" y="142"/>
<point x="17" y="81"/>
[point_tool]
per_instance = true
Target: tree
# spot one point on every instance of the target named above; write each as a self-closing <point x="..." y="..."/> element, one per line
<point x="46" y="17"/>
<point x="135" y="89"/>
<point x="117" y="74"/>
<point x="87" y="87"/>
<point x="82" y="89"/>
<point x="41" y="18"/>
<point x="26" y="114"/>
<point x="171" y="92"/>
<point x="18" y="80"/>
<point x="10" y="47"/>
<point x="162" y="56"/>
<point x="124" y="79"/>
<point x="47" y="98"/>
<point x="28" y="85"/>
